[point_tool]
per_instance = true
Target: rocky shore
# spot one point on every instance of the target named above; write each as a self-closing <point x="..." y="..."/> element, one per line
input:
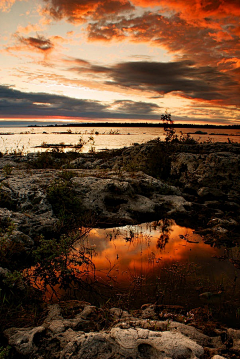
<point x="199" y="187"/>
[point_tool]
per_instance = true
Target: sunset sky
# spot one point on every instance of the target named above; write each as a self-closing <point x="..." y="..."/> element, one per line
<point x="120" y="60"/>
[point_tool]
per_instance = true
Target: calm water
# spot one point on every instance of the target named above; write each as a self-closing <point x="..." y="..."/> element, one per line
<point x="161" y="262"/>
<point x="27" y="138"/>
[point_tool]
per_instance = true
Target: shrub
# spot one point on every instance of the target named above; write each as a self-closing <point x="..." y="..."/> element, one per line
<point x="67" y="175"/>
<point x="13" y="254"/>
<point x="65" y="203"/>
<point x="53" y="159"/>
<point x="7" y="169"/>
<point x="60" y="263"/>
<point x="5" y="199"/>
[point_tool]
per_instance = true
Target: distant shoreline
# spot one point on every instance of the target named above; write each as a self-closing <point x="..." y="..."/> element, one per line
<point x="119" y="124"/>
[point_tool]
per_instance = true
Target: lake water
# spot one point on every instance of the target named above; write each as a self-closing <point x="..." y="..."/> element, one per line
<point x="26" y="139"/>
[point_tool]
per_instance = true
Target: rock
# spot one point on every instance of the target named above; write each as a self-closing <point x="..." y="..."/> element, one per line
<point x="210" y="193"/>
<point x="126" y="200"/>
<point x="143" y="343"/>
<point x="23" y="339"/>
<point x="119" y="343"/>
<point x="205" y="173"/>
<point x="21" y="238"/>
<point x="119" y="313"/>
<point x="222" y="222"/>
<point x="173" y="205"/>
<point x="4" y="272"/>
<point x="234" y="334"/>
<point x="216" y="173"/>
<point x="126" y="337"/>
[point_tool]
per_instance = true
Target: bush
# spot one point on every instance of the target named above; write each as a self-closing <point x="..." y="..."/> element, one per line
<point x="65" y="204"/>
<point x="59" y="263"/>
<point x="5" y="198"/>
<point x="7" y="169"/>
<point x="53" y="159"/>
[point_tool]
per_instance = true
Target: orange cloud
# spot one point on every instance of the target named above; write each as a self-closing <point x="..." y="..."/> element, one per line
<point x="197" y="10"/>
<point x="187" y="41"/>
<point x="123" y="259"/>
<point x="5" y="5"/>
<point x="29" y="28"/>
<point x="38" y="43"/>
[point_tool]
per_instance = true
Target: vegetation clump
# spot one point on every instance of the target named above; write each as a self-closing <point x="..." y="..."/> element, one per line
<point x="5" y="198"/>
<point x="66" y="205"/>
<point x="55" y="159"/>
<point x="7" y="169"/>
<point x="59" y="262"/>
<point x="156" y="158"/>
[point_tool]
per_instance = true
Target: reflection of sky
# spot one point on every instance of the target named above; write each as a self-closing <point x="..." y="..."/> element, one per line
<point x="180" y="267"/>
<point x="141" y="255"/>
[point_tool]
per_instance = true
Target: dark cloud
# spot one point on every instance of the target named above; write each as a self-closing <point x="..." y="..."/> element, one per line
<point x="215" y="46"/>
<point x="39" y="42"/>
<point x="132" y="107"/>
<point x="184" y="78"/>
<point x="79" y="10"/>
<point x="17" y="104"/>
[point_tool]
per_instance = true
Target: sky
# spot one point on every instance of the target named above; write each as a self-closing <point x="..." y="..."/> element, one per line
<point x="119" y="60"/>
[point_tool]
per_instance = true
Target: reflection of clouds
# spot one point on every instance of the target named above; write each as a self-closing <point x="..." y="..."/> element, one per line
<point x="141" y="254"/>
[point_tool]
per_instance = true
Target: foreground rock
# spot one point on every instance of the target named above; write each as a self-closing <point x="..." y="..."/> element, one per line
<point x="113" y="200"/>
<point x="125" y="336"/>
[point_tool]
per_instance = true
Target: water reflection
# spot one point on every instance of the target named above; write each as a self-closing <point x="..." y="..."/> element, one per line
<point x="158" y="262"/>
<point x="161" y="262"/>
<point x="147" y="247"/>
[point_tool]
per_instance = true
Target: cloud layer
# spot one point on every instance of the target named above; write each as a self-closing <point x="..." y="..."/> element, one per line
<point x="202" y="38"/>
<point x="184" y="78"/>
<point x="77" y="11"/>
<point x="18" y="104"/>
